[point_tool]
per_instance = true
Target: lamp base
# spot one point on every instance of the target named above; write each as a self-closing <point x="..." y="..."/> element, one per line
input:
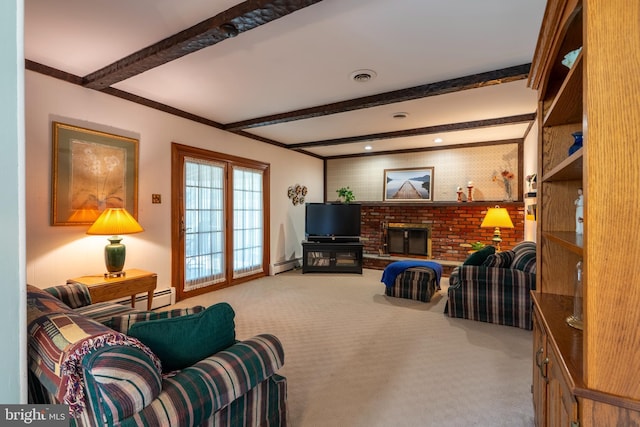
<point x="114" y="256"/>
<point x="497" y="239"/>
<point x="112" y="274"/>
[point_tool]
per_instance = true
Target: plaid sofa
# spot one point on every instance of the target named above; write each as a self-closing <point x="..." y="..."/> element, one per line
<point x="498" y="291"/>
<point x="108" y="378"/>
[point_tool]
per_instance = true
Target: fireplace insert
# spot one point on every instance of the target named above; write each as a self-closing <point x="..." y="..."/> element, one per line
<point x="408" y="239"/>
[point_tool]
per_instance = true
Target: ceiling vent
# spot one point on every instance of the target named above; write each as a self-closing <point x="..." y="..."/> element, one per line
<point x="363" y="76"/>
<point x="401" y="115"/>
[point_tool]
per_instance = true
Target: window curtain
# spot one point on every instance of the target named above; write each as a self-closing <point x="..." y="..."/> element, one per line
<point x="204" y="223"/>
<point x="248" y="221"/>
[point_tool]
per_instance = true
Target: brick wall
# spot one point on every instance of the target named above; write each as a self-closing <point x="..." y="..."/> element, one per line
<point x="452" y="224"/>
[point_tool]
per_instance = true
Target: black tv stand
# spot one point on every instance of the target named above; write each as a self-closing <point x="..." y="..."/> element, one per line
<point x="332" y="257"/>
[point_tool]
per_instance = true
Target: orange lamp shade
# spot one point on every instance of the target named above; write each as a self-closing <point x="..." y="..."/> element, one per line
<point x="114" y="221"/>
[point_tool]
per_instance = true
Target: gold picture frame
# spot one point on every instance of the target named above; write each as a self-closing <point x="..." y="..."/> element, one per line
<point x="408" y="185"/>
<point x="91" y="171"/>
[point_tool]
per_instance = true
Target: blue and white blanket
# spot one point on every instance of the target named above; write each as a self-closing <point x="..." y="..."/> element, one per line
<point x="392" y="270"/>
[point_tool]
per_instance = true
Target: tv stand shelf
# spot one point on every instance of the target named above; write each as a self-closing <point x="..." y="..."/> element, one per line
<point x="332" y="257"/>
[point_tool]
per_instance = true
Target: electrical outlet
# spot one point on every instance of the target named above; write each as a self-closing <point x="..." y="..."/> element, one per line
<point x="156" y="198"/>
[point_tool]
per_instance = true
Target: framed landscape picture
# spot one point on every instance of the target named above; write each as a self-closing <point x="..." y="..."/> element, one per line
<point x="408" y="185"/>
<point x="92" y="171"/>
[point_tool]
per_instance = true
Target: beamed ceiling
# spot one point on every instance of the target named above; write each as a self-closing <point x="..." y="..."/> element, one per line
<point x="281" y="72"/>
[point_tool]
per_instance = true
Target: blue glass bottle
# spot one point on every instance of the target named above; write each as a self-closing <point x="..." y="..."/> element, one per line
<point x="577" y="142"/>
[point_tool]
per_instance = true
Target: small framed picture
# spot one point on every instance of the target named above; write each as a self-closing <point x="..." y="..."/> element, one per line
<point x="408" y="185"/>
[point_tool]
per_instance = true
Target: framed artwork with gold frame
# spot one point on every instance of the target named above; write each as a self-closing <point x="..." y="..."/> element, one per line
<point x="91" y="171"/>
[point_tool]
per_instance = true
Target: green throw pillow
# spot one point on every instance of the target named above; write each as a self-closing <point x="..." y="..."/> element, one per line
<point x="179" y="342"/>
<point x="123" y="322"/>
<point x="478" y="257"/>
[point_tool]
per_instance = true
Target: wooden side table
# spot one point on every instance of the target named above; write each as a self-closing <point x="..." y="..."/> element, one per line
<point x="133" y="282"/>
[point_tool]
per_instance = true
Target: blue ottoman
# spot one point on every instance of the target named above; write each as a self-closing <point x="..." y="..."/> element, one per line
<point x="416" y="280"/>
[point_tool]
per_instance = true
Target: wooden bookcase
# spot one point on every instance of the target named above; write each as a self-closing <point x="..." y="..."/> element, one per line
<point x="589" y="377"/>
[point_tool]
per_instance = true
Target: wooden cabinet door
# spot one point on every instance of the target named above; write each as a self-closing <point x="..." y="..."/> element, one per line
<point x="539" y="386"/>
<point x="562" y="408"/>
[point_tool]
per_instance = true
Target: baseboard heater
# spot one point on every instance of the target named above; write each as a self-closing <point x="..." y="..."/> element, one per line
<point x="282" y="266"/>
<point x="161" y="298"/>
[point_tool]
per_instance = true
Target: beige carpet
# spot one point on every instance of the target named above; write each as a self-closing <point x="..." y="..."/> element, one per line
<point x="355" y="357"/>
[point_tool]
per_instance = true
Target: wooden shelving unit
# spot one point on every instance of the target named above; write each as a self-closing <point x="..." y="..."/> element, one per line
<point x="566" y="107"/>
<point x="588" y="377"/>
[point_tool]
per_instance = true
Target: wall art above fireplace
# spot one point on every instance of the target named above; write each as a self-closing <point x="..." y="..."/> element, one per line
<point x="409" y="185"/>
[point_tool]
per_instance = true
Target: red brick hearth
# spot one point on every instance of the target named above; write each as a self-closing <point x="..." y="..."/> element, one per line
<point x="451" y="225"/>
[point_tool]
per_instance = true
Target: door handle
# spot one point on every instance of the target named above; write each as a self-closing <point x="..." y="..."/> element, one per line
<point x="543" y="369"/>
<point x="542" y="365"/>
<point x="538" y="354"/>
<point x="183" y="229"/>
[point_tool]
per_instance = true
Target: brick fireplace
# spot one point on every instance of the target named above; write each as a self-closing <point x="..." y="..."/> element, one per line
<point x="449" y="223"/>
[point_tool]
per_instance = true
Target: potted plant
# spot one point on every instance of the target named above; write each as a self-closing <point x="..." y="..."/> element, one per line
<point x="345" y="194"/>
<point x="475" y="246"/>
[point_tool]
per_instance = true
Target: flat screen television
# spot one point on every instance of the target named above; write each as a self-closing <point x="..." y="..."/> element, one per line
<point x="332" y="222"/>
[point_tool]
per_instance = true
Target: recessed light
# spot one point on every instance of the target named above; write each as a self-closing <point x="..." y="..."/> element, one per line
<point x="368" y="147"/>
<point x="400" y="115"/>
<point x="363" y="76"/>
<point x="438" y="140"/>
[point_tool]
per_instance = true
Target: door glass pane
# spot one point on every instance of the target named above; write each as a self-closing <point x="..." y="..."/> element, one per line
<point x="203" y="223"/>
<point x="248" y="220"/>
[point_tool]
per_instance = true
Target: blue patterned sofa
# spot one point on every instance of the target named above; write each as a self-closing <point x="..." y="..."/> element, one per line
<point x="497" y="290"/>
<point x="108" y="377"/>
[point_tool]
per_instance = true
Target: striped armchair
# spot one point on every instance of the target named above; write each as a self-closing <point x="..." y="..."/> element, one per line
<point x="496" y="291"/>
<point x="110" y="378"/>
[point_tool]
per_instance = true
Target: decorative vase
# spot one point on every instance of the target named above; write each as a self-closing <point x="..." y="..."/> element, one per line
<point x="577" y="142"/>
<point x="575" y="320"/>
<point x="508" y="197"/>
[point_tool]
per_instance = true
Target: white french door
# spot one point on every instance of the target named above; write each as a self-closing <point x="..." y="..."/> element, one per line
<point x="220" y="226"/>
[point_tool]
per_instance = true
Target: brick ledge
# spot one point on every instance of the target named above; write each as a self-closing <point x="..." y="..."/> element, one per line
<point x="377" y="262"/>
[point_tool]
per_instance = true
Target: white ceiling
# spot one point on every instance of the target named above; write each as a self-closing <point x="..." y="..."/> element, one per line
<point x="305" y="59"/>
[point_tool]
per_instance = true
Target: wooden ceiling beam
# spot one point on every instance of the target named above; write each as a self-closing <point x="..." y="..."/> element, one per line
<point x="450" y="127"/>
<point x="518" y="141"/>
<point x="238" y="19"/>
<point x="489" y="78"/>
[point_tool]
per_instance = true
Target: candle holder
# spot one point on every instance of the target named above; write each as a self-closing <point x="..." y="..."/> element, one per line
<point x="470" y="192"/>
<point x="459" y="192"/>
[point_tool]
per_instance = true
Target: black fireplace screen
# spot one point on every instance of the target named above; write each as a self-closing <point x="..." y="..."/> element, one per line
<point x="407" y="239"/>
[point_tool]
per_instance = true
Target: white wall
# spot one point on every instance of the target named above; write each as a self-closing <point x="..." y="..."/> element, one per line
<point x="55" y="254"/>
<point x="453" y="168"/>
<point x="530" y="166"/>
<point x="12" y="254"/>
